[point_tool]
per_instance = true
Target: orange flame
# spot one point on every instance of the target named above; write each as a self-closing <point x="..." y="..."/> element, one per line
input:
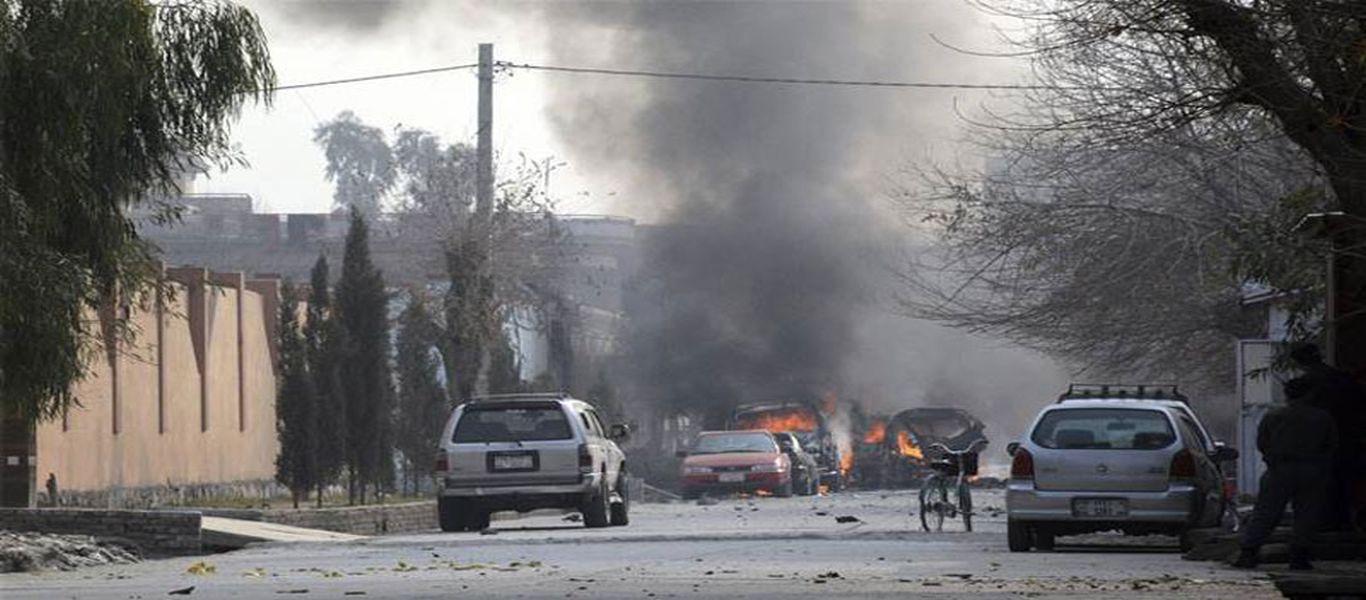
<point x="780" y="421"/>
<point x="877" y="433"/>
<point x="907" y="447"/>
<point x="762" y="493"/>
<point x="846" y="462"/>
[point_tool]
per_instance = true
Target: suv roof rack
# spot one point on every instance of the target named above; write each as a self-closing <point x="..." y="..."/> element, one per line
<point x="1111" y="391"/>
<point x="521" y="396"/>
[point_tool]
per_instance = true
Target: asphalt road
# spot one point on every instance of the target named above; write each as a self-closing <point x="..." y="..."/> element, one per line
<point x="752" y="548"/>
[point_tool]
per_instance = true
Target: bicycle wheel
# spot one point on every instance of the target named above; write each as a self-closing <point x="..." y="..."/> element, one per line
<point x="965" y="503"/>
<point x="933" y="503"/>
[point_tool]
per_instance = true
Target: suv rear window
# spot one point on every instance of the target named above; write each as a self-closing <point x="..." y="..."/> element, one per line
<point x="512" y="424"/>
<point x="1104" y="428"/>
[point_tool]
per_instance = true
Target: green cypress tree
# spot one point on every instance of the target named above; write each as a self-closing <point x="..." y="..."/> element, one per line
<point x="295" y="405"/>
<point x="325" y="343"/>
<point x="367" y="384"/>
<point x="421" y="398"/>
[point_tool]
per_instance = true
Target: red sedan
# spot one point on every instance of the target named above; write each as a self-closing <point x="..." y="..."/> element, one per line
<point x="735" y="461"/>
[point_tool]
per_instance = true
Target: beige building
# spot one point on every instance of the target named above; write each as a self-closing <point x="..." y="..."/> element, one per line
<point x="189" y="404"/>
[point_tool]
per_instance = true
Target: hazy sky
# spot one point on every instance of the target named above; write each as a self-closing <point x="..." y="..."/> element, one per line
<point x="328" y="39"/>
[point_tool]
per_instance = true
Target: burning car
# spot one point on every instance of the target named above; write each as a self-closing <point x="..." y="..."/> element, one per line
<point x="810" y="426"/>
<point x="904" y="437"/>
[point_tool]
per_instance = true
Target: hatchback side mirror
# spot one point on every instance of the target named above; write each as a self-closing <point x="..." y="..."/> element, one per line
<point x="1012" y="447"/>
<point x="1223" y="453"/>
<point x="618" y="431"/>
<point x="681" y="454"/>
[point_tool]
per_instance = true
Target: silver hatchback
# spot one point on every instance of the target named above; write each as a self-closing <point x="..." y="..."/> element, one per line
<point x="1137" y="466"/>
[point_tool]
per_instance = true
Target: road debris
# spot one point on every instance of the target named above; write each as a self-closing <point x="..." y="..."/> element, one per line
<point x="22" y="552"/>
<point x="848" y="519"/>
<point x="181" y="592"/>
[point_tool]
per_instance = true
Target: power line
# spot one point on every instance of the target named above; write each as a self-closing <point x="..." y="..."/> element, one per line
<point x="697" y="76"/>
<point x="373" y="77"/>
<point x="790" y="80"/>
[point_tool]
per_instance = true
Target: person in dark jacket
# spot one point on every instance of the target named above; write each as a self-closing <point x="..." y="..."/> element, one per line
<point x="1335" y="391"/>
<point x="1297" y="443"/>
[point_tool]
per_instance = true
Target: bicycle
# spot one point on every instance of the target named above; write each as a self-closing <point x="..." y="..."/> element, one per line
<point x="953" y="467"/>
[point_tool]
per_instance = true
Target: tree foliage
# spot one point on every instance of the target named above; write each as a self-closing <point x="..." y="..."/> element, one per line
<point x="326" y="344"/>
<point x="359" y="162"/>
<point x="296" y="404"/>
<point x="422" y="406"/>
<point x="361" y="310"/>
<point x="102" y="106"/>
<point x="1158" y="168"/>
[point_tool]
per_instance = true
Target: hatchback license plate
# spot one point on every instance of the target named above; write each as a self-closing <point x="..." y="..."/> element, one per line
<point x="513" y="462"/>
<point x="730" y="477"/>
<point x="1100" y="507"/>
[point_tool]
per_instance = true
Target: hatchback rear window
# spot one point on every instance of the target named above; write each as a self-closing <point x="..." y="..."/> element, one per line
<point x="1104" y="428"/>
<point x="512" y="424"/>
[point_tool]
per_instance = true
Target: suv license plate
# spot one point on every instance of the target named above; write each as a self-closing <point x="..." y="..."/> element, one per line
<point x="513" y="462"/>
<point x="1100" y="507"/>
<point x="730" y="477"/>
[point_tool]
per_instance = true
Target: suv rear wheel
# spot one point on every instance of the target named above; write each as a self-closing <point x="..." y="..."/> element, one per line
<point x="620" y="512"/>
<point x="460" y="515"/>
<point x="597" y="507"/>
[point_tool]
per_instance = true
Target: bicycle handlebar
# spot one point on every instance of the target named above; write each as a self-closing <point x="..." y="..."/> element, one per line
<point x="973" y="447"/>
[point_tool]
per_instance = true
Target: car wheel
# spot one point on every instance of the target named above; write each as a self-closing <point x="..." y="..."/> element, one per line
<point x="620" y="512"/>
<point x="1185" y="540"/>
<point x="1044" y="538"/>
<point x="784" y="490"/>
<point x="597" y="507"/>
<point x="477" y="520"/>
<point x="1018" y="536"/>
<point x="448" y="514"/>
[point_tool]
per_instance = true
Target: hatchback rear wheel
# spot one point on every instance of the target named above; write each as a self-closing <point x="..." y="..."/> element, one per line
<point x="1018" y="536"/>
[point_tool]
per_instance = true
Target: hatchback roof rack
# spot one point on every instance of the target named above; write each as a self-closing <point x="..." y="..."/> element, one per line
<point x="521" y="396"/>
<point x="1111" y="391"/>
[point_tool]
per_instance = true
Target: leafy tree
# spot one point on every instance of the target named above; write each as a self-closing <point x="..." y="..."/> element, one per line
<point x="326" y="344"/>
<point x="296" y="405"/>
<point x="362" y="311"/>
<point x="1241" y="106"/>
<point x="422" y="403"/>
<point x="102" y="106"/>
<point x="359" y="161"/>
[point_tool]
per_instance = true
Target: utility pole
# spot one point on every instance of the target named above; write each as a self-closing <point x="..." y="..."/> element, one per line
<point x="483" y="208"/>
<point x="483" y="205"/>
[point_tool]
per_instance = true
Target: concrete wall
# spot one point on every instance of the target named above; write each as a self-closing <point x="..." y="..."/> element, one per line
<point x="357" y="520"/>
<point x="154" y="532"/>
<point x="189" y="402"/>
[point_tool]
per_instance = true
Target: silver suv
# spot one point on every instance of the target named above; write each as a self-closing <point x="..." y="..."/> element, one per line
<point x="1135" y="464"/>
<point x="525" y="452"/>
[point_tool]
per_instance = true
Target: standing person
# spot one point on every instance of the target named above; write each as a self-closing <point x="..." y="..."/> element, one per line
<point x="1334" y="391"/>
<point x="1297" y="442"/>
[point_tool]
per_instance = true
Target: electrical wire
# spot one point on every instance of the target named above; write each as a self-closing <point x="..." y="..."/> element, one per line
<point x="788" y="80"/>
<point x="696" y="76"/>
<point x="314" y="84"/>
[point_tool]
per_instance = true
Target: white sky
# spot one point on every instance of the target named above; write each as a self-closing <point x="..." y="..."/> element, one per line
<point x="286" y="167"/>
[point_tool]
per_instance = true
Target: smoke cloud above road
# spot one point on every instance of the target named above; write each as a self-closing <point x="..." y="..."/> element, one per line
<point x="777" y="230"/>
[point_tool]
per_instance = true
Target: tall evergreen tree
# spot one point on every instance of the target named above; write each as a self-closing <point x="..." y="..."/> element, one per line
<point x="325" y="343"/>
<point x="362" y="311"/>
<point x="295" y="405"/>
<point x="421" y="399"/>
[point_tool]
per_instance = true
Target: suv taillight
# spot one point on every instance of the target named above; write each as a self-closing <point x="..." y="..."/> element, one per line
<point x="585" y="459"/>
<point x="442" y="464"/>
<point x="1183" y="465"/>
<point x="1022" y="465"/>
